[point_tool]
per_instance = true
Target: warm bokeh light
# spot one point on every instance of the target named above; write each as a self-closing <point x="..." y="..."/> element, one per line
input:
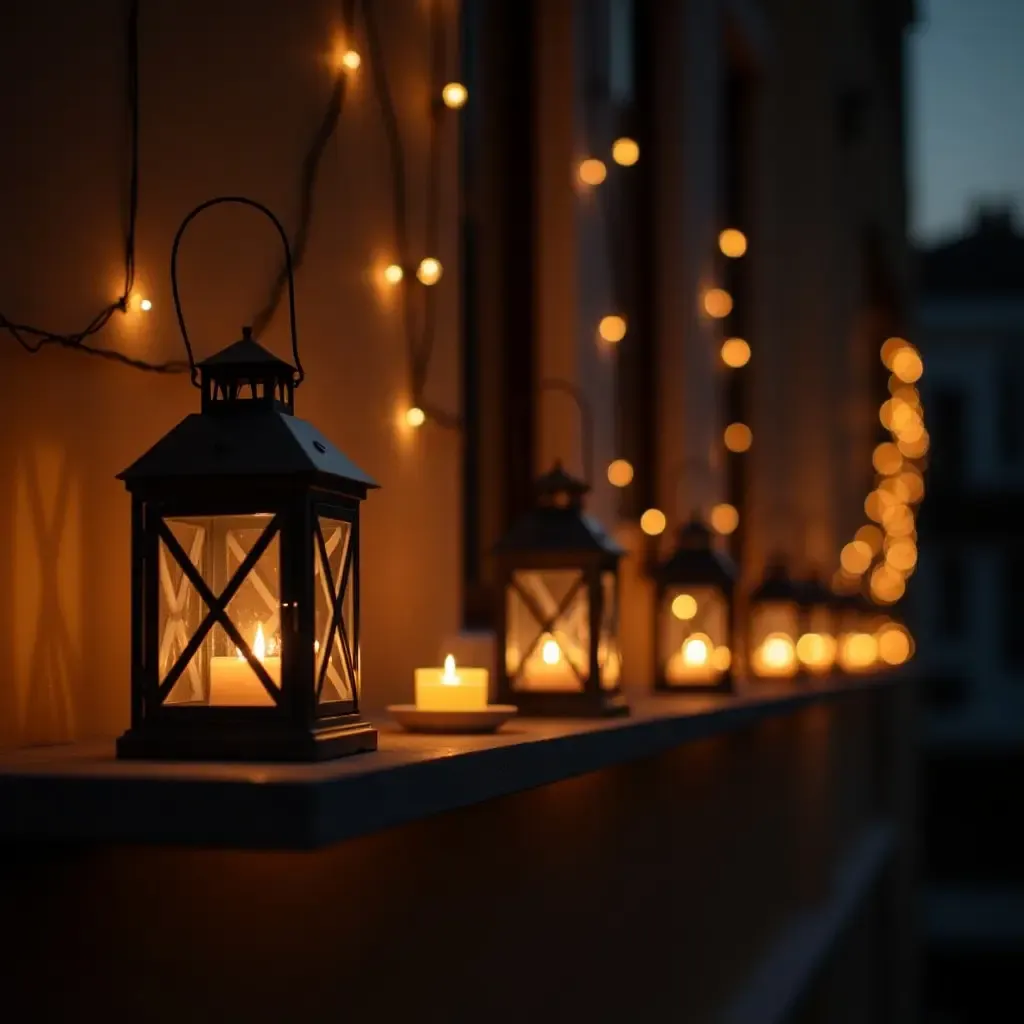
<point x="429" y="271"/>
<point x="684" y="606"/>
<point x="738" y="437"/>
<point x="348" y="60"/>
<point x="895" y="645"/>
<point x="735" y="352"/>
<point x="625" y="152"/>
<point x="857" y="651"/>
<point x="415" y="416"/>
<point x="732" y="242"/>
<point x="717" y="303"/>
<point x="652" y="522"/>
<point x="870" y="535"/>
<point x="724" y="518"/>
<point x="817" y="651"/>
<point x="145" y="305"/>
<point x="776" y="656"/>
<point x="905" y="393"/>
<point x="901" y="555"/>
<point x="874" y="506"/>
<point x="593" y="171"/>
<point x="393" y="273"/>
<point x="915" y="449"/>
<point x="889" y="349"/>
<point x="612" y="328"/>
<point x="721" y="659"/>
<point x="454" y="95"/>
<point x="696" y="650"/>
<point x="895" y="487"/>
<point x="855" y="558"/>
<point x="887" y="459"/>
<point x="907" y="365"/>
<point x="620" y="473"/>
<point x="914" y="484"/>
<point x="887" y="585"/>
<point x="895" y="516"/>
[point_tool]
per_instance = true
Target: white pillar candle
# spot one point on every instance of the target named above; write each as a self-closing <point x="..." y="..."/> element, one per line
<point x="450" y="690"/>
<point x="233" y="683"/>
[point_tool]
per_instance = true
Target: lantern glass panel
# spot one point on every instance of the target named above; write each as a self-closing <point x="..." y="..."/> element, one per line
<point x="609" y="658"/>
<point x="218" y="673"/>
<point x="334" y="587"/>
<point x="774" y="629"/>
<point x="548" y="642"/>
<point x="694" y="635"/>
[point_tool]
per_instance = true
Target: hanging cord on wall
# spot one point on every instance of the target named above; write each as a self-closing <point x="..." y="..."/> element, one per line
<point x="307" y="187"/>
<point x="34" y="339"/>
<point x="586" y="415"/>
<point x="419" y="342"/>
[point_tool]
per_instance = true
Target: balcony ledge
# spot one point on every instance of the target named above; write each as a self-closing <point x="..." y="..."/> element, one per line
<point x="81" y="793"/>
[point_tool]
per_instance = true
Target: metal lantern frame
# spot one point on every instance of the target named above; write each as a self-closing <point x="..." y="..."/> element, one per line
<point x="694" y="563"/>
<point x="557" y="535"/>
<point x="246" y="461"/>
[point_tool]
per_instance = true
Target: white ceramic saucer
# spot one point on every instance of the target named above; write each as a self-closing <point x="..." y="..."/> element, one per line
<point x="489" y="719"/>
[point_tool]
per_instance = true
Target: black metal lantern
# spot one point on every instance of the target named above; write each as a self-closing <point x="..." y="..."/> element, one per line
<point x="693" y="624"/>
<point x="816" y="644"/>
<point x="245" y="572"/>
<point x="774" y="624"/>
<point x="558" y="638"/>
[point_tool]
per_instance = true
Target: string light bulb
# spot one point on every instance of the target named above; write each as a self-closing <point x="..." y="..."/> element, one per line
<point x="415" y="417"/>
<point x="350" y="60"/>
<point x="684" y="606"/>
<point x="393" y="273"/>
<point x="620" y="473"/>
<point x="652" y="522"/>
<point x="612" y="328"/>
<point x="625" y="152"/>
<point x="732" y="243"/>
<point x="454" y="95"/>
<point x="592" y="171"/>
<point x="724" y="519"/>
<point x="429" y="271"/>
<point x="738" y="437"/>
<point x="735" y="352"/>
<point x="145" y="305"/>
<point x="855" y="558"/>
<point x="717" y="303"/>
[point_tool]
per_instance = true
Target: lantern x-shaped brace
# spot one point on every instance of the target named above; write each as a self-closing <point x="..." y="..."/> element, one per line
<point x="217" y="609"/>
<point x="177" y="599"/>
<point x="548" y="622"/>
<point x="337" y="625"/>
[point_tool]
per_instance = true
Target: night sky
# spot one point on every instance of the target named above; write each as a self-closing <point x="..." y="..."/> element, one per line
<point x="967" y="110"/>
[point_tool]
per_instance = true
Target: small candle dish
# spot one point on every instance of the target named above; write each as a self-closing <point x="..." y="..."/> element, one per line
<point x="452" y="722"/>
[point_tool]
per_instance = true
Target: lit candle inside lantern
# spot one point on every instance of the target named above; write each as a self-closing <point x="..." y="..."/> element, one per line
<point x="817" y="652"/>
<point x="547" y="668"/>
<point x="776" y="656"/>
<point x="698" y="660"/>
<point x="233" y="683"/>
<point x="447" y="690"/>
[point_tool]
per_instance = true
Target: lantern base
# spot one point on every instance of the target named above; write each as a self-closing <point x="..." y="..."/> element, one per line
<point x="536" y="704"/>
<point x="246" y="743"/>
<point x="725" y="685"/>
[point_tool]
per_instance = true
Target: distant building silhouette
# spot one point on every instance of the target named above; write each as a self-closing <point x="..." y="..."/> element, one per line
<point x="969" y="607"/>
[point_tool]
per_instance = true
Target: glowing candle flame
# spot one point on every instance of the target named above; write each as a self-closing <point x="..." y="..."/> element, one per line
<point x="695" y="652"/>
<point x="550" y="652"/>
<point x="448" y="677"/>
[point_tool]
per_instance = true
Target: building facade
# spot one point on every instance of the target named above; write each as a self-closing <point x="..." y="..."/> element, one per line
<point x="968" y="605"/>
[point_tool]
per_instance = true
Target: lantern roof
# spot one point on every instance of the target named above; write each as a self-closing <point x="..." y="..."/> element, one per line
<point x="696" y="559"/>
<point x="557" y="522"/>
<point x="245" y="353"/>
<point x="815" y="591"/>
<point x="777" y="584"/>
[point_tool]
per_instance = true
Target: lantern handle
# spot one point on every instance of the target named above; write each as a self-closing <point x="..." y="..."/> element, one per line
<point x="586" y="421"/>
<point x="242" y="200"/>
